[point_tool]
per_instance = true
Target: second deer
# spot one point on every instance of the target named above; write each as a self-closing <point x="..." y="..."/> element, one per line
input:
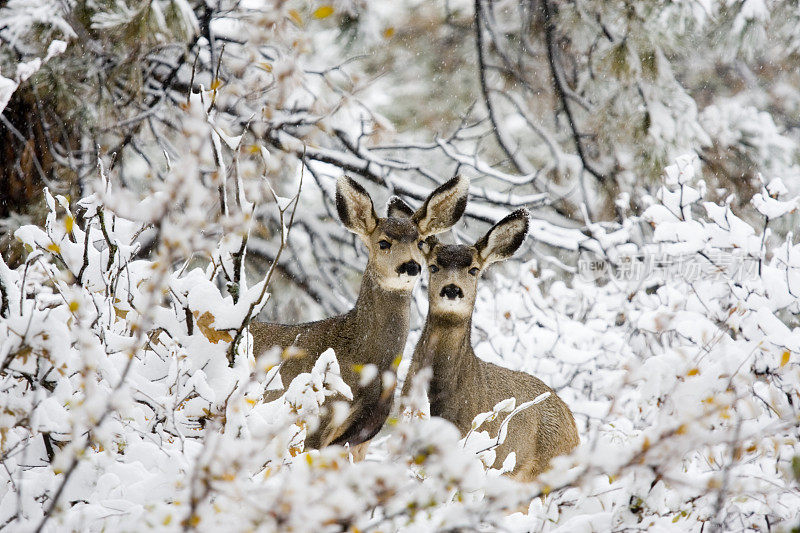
<point x="375" y="330"/>
<point x="462" y="385"/>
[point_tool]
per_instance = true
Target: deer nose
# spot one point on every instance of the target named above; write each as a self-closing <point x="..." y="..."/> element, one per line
<point x="411" y="268"/>
<point x="451" y="292"/>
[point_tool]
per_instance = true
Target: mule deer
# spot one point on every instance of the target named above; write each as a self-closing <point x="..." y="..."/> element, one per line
<point x="462" y="385"/>
<point x="375" y="330"/>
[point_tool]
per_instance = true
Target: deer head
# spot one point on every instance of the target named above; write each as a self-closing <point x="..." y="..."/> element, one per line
<point x="455" y="268"/>
<point x="394" y="243"/>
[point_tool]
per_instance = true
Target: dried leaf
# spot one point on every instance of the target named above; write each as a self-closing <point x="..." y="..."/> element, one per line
<point x="204" y="322"/>
<point x="295" y="16"/>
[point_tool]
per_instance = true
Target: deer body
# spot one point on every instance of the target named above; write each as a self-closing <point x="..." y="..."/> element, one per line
<point x="374" y="332"/>
<point x="463" y="385"/>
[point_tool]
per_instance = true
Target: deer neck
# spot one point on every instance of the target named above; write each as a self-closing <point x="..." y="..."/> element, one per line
<point x="446" y="347"/>
<point x="381" y="317"/>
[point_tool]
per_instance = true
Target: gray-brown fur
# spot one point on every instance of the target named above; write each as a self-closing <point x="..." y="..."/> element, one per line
<point x="453" y="256"/>
<point x="375" y="330"/>
<point x="462" y="385"/>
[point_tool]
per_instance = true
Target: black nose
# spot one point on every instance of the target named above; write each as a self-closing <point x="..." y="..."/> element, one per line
<point x="411" y="268"/>
<point x="452" y="292"/>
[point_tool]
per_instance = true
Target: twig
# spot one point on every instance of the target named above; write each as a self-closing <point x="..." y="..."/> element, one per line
<point x="284" y="237"/>
<point x="485" y="91"/>
<point x="549" y="31"/>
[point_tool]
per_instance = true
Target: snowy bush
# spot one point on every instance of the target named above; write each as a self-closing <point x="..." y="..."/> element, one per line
<point x="122" y="408"/>
<point x="666" y="318"/>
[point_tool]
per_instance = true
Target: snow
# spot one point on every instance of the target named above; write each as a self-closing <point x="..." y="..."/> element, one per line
<point x="126" y="382"/>
<point x="659" y="392"/>
<point x="7" y="88"/>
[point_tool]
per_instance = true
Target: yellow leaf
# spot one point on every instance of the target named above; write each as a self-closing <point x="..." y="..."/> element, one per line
<point x="216" y="84"/>
<point x="69" y="222"/>
<point x="204" y="322"/>
<point x="295" y="16"/>
<point x="23" y="353"/>
<point x="309" y="459"/>
<point x="785" y="358"/>
<point x="73" y="306"/>
<point x="167" y="520"/>
<point x="54" y="248"/>
<point x="388" y="33"/>
<point x="396" y="362"/>
<point x="120" y="313"/>
<point x="693" y="372"/>
<point x="323" y="12"/>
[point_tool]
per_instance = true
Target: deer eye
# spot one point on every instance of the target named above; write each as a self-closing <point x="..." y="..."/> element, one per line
<point x="420" y="244"/>
<point x="473" y="271"/>
<point x="384" y="244"/>
<point x="434" y="269"/>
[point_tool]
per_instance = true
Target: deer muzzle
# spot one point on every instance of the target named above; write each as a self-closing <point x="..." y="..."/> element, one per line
<point x="451" y="292"/>
<point x="411" y="268"/>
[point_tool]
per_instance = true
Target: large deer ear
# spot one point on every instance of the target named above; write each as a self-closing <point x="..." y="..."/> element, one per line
<point x="355" y="207"/>
<point x="504" y="238"/>
<point x="399" y="209"/>
<point x="443" y="207"/>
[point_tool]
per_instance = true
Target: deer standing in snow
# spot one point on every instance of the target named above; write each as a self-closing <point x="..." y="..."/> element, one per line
<point x="375" y="330"/>
<point x="462" y="385"/>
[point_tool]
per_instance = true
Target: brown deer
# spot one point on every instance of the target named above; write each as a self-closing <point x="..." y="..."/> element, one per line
<point x="462" y="385"/>
<point x="375" y="330"/>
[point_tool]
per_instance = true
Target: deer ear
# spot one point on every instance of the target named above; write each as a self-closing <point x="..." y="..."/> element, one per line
<point x="355" y="206"/>
<point x="399" y="209"/>
<point x="443" y="207"/>
<point x="504" y="238"/>
<point x="428" y="245"/>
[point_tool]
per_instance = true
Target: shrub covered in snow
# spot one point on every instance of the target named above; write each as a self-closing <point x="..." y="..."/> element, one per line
<point x="130" y="396"/>
<point x="122" y="407"/>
